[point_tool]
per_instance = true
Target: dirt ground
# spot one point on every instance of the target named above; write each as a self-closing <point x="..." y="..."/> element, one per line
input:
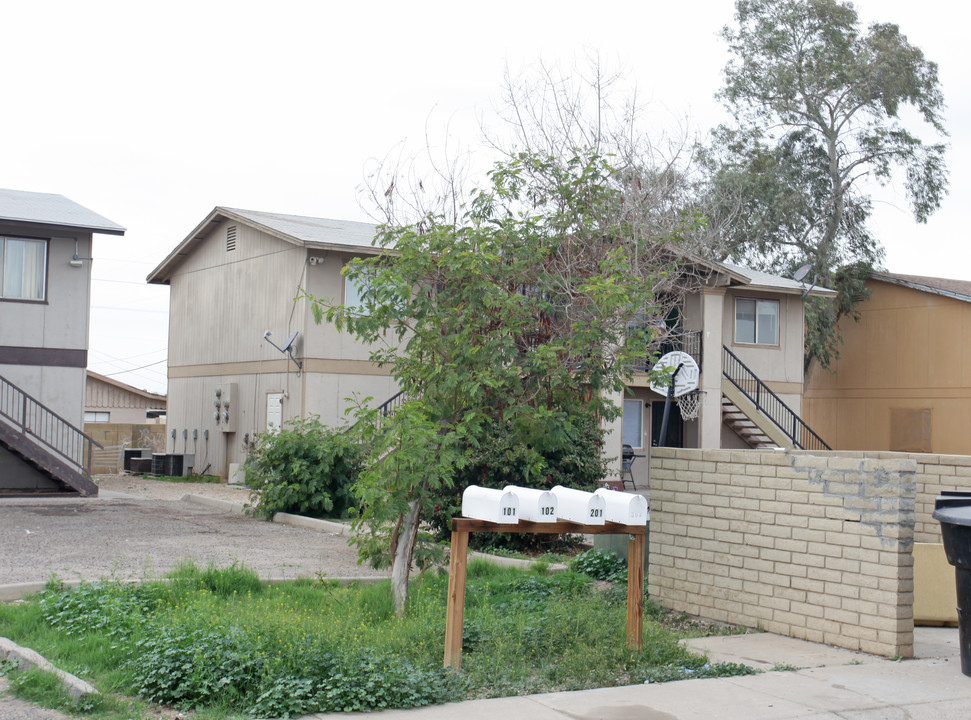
<point x="141" y="528"/>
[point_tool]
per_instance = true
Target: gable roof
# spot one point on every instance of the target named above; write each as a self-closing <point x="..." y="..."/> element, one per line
<point x="758" y="280"/>
<point x="957" y="289"/>
<point x="327" y="234"/>
<point x="92" y="375"/>
<point x="299" y="230"/>
<point x="47" y="210"/>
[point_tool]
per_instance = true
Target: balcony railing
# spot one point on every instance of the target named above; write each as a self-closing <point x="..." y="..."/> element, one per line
<point x="770" y="404"/>
<point x="46" y="427"/>
<point x="688" y="341"/>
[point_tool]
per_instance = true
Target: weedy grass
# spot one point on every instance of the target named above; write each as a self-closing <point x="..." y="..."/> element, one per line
<point x="221" y="643"/>
<point x="184" y="478"/>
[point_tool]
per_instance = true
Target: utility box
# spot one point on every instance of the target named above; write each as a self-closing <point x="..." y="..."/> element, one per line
<point x="624" y="508"/>
<point x="496" y="506"/>
<point x="225" y="406"/>
<point x="579" y="506"/>
<point x="134" y="454"/>
<point x="534" y="505"/>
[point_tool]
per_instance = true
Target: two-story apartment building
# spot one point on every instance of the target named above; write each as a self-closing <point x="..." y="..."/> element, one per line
<point x="45" y="290"/>
<point x="242" y="273"/>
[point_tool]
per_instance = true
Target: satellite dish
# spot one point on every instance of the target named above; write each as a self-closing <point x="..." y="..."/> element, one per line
<point x="287" y="349"/>
<point x="287" y="345"/>
<point x="686" y="378"/>
<point x="800" y="274"/>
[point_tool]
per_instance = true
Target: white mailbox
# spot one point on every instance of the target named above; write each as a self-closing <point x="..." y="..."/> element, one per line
<point x="624" y="508"/>
<point x="579" y="506"/>
<point x="496" y="506"/>
<point x="535" y="505"/>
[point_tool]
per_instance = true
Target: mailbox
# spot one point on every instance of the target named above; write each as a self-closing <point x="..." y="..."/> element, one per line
<point x="535" y="505"/>
<point x="498" y="506"/>
<point x="624" y="508"/>
<point x="579" y="506"/>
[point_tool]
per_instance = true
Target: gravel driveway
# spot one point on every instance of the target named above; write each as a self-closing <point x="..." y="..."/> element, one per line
<point x="142" y="528"/>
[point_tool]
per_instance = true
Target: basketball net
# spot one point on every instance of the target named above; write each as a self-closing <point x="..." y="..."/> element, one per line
<point x="689" y="404"/>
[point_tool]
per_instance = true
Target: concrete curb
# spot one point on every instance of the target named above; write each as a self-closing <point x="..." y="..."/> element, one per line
<point x="327" y="526"/>
<point x="27" y="658"/>
<point x="503" y="561"/>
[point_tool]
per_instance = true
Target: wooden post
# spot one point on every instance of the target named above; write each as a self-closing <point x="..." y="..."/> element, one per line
<point x="635" y="591"/>
<point x="458" y="561"/>
<point x="455" y="611"/>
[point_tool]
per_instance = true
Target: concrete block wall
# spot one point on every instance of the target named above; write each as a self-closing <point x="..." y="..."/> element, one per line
<point x="935" y="473"/>
<point x="812" y="546"/>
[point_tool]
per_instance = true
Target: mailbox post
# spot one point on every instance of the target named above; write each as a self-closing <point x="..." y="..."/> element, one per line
<point x="462" y="527"/>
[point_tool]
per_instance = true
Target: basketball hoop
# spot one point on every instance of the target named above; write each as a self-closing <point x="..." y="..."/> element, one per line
<point x="689" y="404"/>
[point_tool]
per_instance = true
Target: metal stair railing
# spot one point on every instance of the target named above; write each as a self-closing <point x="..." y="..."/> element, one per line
<point x="34" y="419"/>
<point x="387" y="408"/>
<point x="770" y="404"/>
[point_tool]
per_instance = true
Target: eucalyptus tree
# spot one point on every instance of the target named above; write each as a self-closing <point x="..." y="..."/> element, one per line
<point x="822" y="109"/>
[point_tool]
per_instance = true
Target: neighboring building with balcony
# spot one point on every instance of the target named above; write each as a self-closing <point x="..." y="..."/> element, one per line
<point x="45" y="290"/>
<point x="241" y="273"/>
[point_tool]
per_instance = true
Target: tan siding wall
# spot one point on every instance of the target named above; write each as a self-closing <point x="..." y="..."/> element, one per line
<point x="101" y="395"/>
<point x="909" y="351"/>
<point x="222" y="302"/>
<point x="817" y="547"/>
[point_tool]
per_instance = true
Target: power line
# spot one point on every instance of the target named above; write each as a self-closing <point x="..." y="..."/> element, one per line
<point x="122" y="372"/>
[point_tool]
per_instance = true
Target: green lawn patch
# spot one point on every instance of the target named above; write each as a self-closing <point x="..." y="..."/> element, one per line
<point x="221" y="643"/>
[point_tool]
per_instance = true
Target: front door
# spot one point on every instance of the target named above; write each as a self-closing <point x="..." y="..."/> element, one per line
<point x="675" y="432"/>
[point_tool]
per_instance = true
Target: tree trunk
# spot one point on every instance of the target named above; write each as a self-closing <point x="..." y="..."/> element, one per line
<point x="403" y="553"/>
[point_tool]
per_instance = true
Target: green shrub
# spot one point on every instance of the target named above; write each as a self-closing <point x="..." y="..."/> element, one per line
<point x="110" y="606"/>
<point x="600" y="565"/>
<point x="188" y="667"/>
<point x="305" y="469"/>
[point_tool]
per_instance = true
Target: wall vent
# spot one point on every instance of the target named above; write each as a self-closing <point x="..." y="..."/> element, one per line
<point x="230" y="238"/>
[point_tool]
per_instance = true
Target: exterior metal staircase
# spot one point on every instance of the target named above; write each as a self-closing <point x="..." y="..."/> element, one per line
<point x="51" y="454"/>
<point x="743" y="426"/>
<point x="758" y="415"/>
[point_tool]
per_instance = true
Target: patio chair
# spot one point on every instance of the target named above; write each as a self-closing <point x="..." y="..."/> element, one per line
<point x="627" y="458"/>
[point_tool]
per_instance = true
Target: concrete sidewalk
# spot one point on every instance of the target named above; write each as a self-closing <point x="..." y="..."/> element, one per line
<point x="831" y="684"/>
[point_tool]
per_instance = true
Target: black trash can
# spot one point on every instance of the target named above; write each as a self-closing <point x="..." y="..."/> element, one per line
<point x="953" y="511"/>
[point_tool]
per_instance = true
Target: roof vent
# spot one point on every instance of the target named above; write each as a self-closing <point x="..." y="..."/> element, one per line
<point x="230" y="238"/>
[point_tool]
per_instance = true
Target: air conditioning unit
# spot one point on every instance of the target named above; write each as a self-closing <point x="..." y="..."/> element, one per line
<point x="135" y="454"/>
<point x="172" y="464"/>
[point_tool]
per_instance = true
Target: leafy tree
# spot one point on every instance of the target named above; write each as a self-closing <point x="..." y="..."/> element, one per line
<point x="817" y="104"/>
<point x="513" y="317"/>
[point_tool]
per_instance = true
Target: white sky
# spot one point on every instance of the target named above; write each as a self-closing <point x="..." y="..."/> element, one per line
<point x="151" y="114"/>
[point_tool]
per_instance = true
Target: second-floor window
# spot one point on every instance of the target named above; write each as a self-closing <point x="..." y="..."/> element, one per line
<point x="354" y="290"/>
<point x="23" y="268"/>
<point x="756" y="321"/>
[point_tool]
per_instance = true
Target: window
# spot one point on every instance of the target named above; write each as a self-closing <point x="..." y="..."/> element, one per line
<point x="757" y="321"/>
<point x="23" y="268"/>
<point x="354" y="291"/>
<point x="633" y="423"/>
<point x="96" y="417"/>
